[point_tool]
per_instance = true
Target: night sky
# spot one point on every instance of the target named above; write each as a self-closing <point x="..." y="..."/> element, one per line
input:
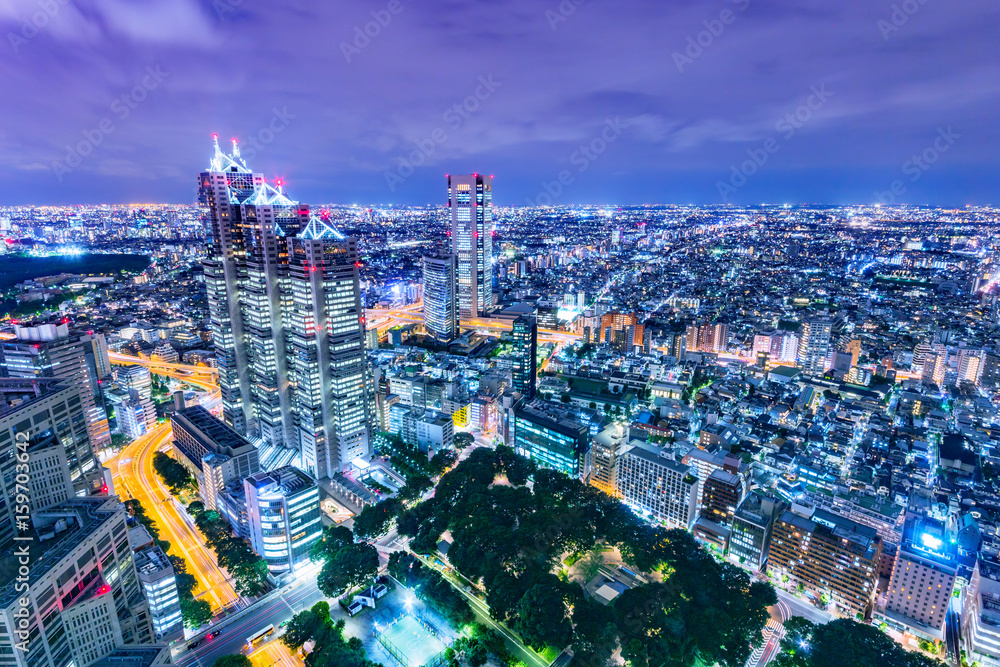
<point x="672" y="101"/>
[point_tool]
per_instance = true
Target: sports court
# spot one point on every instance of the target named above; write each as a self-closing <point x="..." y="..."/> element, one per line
<point x="413" y="644"/>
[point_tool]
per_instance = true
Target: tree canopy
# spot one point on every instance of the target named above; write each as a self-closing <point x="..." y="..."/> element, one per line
<point x="233" y="661"/>
<point x="174" y="475"/>
<point x="374" y="520"/>
<point x="511" y="539"/>
<point x="332" y="649"/>
<point x="249" y="570"/>
<point x="843" y="643"/>
<point x="346" y="564"/>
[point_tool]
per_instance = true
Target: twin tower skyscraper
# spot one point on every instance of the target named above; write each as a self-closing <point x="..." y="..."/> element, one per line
<point x="287" y="320"/>
<point x="286" y="314"/>
<point x="460" y="284"/>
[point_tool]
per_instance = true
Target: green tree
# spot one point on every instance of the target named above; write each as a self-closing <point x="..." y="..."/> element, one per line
<point x="233" y="661"/>
<point x="351" y="568"/>
<point x="463" y="440"/>
<point x="590" y="565"/>
<point x="843" y="643"/>
<point x="195" y="613"/>
<point x="415" y="487"/>
<point x="543" y="618"/>
<point x="374" y="520"/>
<point x="175" y="476"/>
<point x="594" y="632"/>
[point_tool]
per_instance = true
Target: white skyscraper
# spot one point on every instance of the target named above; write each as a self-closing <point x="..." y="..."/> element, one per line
<point x="287" y="320"/>
<point x="470" y="198"/>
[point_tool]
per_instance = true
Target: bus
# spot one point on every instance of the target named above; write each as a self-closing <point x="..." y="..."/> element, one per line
<point x="255" y="639"/>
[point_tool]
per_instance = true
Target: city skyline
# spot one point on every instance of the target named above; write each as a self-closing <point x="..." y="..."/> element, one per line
<point x="599" y="105"/>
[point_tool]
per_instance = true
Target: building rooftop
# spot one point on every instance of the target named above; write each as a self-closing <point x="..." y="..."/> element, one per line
<point x="84" y="516"/>
<point x="224" y="439"/>
<point x="16" y="393"/>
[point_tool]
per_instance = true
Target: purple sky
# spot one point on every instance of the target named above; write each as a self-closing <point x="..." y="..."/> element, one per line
<point x="883" y="89"/>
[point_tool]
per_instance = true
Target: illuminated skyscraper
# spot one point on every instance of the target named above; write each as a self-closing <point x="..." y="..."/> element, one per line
<point x="815" y="345"/>
<point x="52" y="350"/>
<point x="471" y="201"/>
<point x="525" y="333"/>
<point x="287" y="321"/>
<point x="440" y="297"/>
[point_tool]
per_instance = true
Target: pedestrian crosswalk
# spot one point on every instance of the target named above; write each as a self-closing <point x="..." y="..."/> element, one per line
<point x="768" y="648"/>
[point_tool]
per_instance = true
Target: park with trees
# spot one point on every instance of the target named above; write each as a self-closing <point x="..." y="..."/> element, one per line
<point x="510" y="539"/>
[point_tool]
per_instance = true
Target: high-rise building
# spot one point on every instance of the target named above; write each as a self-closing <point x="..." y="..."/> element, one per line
<point x="814" y="346"/>
<point x="287" y="320"/>
<point x="284" y="517"/>
<point x="525" y="334"/>
<point x="981" y="611"/>
<point x="440" y="297"/>
<point x="828" y="555"/>
<point x="43" y="418"/>
<point x="707" y="337"/>
<point x="750" y="538"/>
<point x="621" y="331"/>
<point x="85" y="599"/>
<point x="658" y="487"/>
<point x="134" y="376"/>
<point x="923" y="579"/>
<point x="723" y="492"/>
<point x="51" y="350"/>
<point x="470" y="198"/>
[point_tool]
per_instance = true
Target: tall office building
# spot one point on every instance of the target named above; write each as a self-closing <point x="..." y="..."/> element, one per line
<point x="214" y="453"/>
<point x="51" y="350"/>
<point x="553" y="437"/>
<point x="657" y="487"/>
<point x="84" y="595"/>
<point x="159" y="584"/>
<point x="525" y="355"/>
<point x="287" y="320"/>
<point x="441" y="297"/>
<point x="284" y="517"/>
<point x="43" y="418"/>
<point x="470" y="199"/>
<point x="814" y="347"/>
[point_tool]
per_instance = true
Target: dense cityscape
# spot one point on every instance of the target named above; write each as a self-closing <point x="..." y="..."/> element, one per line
<point x="251" y="429"/>
<point x="534" y="333"/>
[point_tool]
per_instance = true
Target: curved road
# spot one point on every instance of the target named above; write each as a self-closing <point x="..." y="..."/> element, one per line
<point x="138" y="480"/>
